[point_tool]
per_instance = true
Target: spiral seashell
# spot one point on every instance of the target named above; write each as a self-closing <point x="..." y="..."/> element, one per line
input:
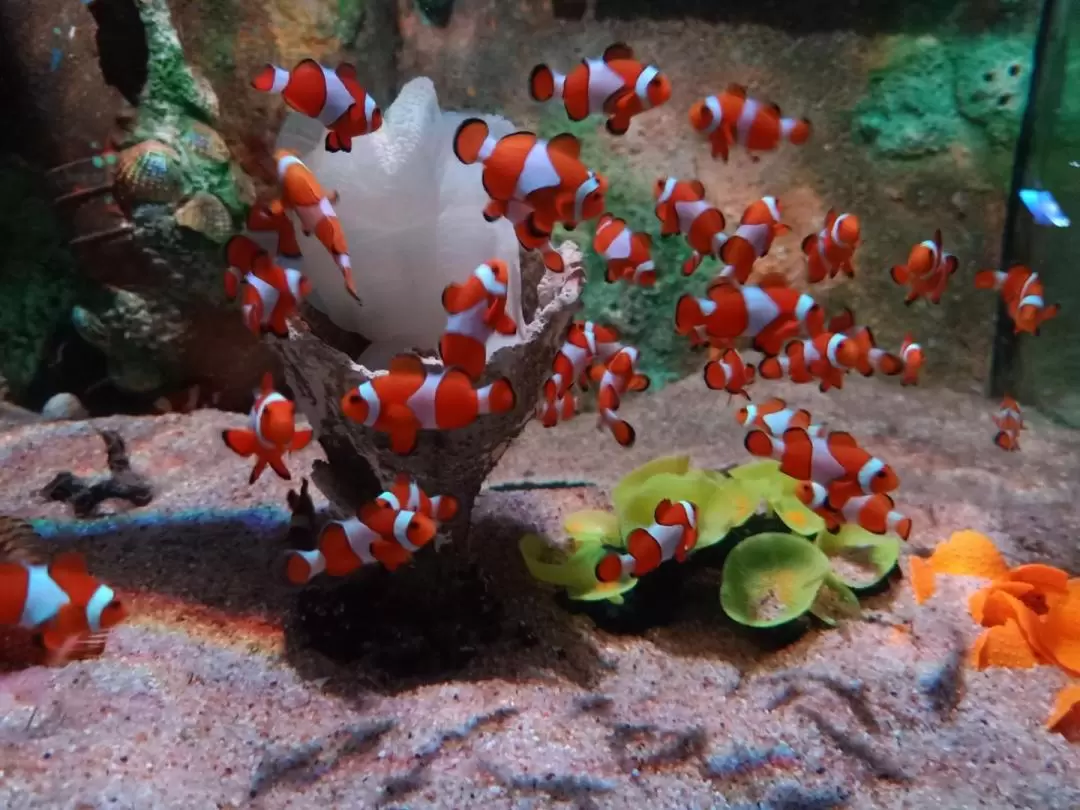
<point x="149" y="172"/>
<point x="205" y="142"/>
<point x="245" y="186"/>
<point x="207" y="215"/>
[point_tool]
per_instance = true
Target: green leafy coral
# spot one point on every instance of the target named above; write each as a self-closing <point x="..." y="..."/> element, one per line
<point x="643" y="316"/>
<point x="770" y="577"/>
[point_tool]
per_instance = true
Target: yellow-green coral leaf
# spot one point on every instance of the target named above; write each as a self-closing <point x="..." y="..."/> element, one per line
<point x="835" y="600"/>
<point x="575" y="571"/>
<point x="797" y="516"/>
<point x="591" y="526"/>
<point x="766" y="468"/>
<point x="628" y="484"/>
<point x="861" y="559"/>
<point x="771" y="578"/>
<point x="612" y="591"/>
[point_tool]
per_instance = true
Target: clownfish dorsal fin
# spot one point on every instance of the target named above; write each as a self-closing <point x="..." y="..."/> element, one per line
<point x="266" y="386"/>
<point x="842" y="438"/>
<point x="618" y="50"/>
<point x="407" y="364"/>
<point x="773" y="107"/>
<point x="736" y="90"/>
<point x="772" y="280"/>
<point x="566" y="144"/>
<point x="70" y="561"/>
<point x="830" y="217"/>
<point x="697" y="187"/>
<point x="937" y="238"/>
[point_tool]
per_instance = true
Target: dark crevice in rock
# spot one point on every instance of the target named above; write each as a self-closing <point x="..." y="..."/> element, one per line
<point x="123" y="52"/>
<point x="569" y="9"/>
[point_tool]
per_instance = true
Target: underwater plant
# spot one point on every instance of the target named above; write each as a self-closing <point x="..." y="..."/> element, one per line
<point x="779" y="561"/>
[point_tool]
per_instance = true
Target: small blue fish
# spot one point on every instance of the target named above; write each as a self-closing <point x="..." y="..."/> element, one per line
<point x="55" y="59"/>
<point x="1043" y="207"/>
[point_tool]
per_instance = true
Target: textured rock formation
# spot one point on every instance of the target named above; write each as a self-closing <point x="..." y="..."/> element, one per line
<point x="452" y="462"/>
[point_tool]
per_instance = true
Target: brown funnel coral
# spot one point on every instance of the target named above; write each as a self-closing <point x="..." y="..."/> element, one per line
<point x="411" y="213"/>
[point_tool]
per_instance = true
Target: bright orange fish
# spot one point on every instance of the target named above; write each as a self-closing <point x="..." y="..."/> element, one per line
<point x="476" y="310"/>
<point x="760" y="224"/>
<point x="615" y="378"/>
<point x="682" y="208"/>
<point x="271" y="292"/>
<point x="730" y="374"/>
<point x="272" y="432"/>
<point x="1022" y="291"/>
<point x="1010" y="421"/>
<point x="616" y="85"/>
<point x="628" y="254"/>
<point x="735" y="118"/>
<point x="672" y="535"/>
<point x="927" y="271"/>
<point x="829" y="251"/>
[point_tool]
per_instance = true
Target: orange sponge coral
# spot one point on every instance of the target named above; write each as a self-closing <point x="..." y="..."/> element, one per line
<point x="1031" y="612"/>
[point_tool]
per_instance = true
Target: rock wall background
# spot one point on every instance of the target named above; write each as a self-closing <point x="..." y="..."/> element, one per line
<point x="915" y="110"/>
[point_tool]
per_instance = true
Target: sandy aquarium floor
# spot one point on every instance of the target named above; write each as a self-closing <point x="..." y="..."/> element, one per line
<point x="461" y="683"/>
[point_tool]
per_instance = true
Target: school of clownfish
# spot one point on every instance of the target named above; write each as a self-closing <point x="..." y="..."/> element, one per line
<point x="537" y="184"/>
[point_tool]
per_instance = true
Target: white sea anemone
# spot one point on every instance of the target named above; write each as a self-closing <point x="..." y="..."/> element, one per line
<point x="411" y="212"/>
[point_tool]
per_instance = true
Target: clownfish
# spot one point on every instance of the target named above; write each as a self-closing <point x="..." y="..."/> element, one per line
<point x="405" y="494"/>
<point x="1010" y="421"/>
<point x="672" y="535"/>
<point x="476" y="310"/>
<point x="332" y="97"/>
<point x="272" y="432"/>
<point x="927" y="271"/>
<point x="760" y="224"/>
<point x="912" y="358"/>
<point x="829" y="251"/>
<point x="870" y="358"/>
<point x="548" y="175"/>
<point x="411" y="398"/>
<point x="682" y="208"/>
<point x="61" y="601"/>
<point x="346" y="545"/>
<point x="519" y="214"/>
<point x="301" y="192"/>
<point x="826" y="358"/>
<point x="875" y="513"/>
<point x="552" y="409"/>
<point x="774" y="417"/>
<point x="835" y="461"/>
<point x="730" y="374"/>
<point x="271" y="219"/>
<point x="628" y="253"/>
<point x="733" y="117"/>
<point x="1022" y="291"/>
<point x="615" y="377"/>
<point x="271" y="292"/>
<point x="769" y="312"/>
<point x="616" y="85"/>
<point x="585" y="343"/>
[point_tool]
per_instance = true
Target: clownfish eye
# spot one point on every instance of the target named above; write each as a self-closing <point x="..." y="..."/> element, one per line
<point x="355" y="399"/>
<point x="881" y="475"/>
<point x="413" y="526"/>
<point x="113" y="605"/>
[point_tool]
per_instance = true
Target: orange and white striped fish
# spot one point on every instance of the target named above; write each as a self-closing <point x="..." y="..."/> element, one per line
<point x="769" y="312"/>
<point x="911" y="356"/>
<point x="870" y="358"/>
<point x="585" y="343"/>
<point x="927" y="271"/>
<point x="836" y="461"/>
<point x="60" y="600"/>
<point x="271" y="292"/>
<point x="476" y="310"/>
<point x="730" y="374"/>
<point x="628" y="253"/>
<point x="774" y="417"/>
<point x="520" y="215"/>
<point x="406" y="494"/>
<point x="614" y="378"/>
<point x="301" y="192"/>
<point x="412" y="397"/>
<point x="825" y="358"/>
<point x="548" y="175"/>
<point x="553" y="408"/>
<point x="1010" y="421"/>
<point x="875" y="513"/>
<point x="682" y="208"/>
<point x="1022" y="292"/>
<point x="829" y="251"/>
<point x="735" y="118"/>
<point x="272" y="219"/>
<point x="332" y="97"/>
<point x="378" y="535"/>
<point x="272" y="432"/>
<point x="760" y="224"/>
<point x="672" y="535"/>
<point x="617" y="85"/>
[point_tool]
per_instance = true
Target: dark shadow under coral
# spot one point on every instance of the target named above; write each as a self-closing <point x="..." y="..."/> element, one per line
<point x="123" y="52"/>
